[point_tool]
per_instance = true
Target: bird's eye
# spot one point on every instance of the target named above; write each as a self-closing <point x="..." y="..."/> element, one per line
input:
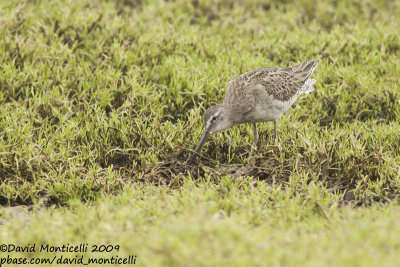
<point x="214" y="118"/>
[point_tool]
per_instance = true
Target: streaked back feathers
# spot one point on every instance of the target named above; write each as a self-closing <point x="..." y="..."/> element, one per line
<point x="281" y="83"/>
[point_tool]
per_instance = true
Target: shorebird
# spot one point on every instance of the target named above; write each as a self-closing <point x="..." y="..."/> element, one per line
<point x="258" y="96"/>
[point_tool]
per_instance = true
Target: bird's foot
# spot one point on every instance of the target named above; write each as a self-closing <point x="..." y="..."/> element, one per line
<point x="253" y="149"/>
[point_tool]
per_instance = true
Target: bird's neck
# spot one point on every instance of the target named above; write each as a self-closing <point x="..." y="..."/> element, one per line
<point x="232" y="114"/>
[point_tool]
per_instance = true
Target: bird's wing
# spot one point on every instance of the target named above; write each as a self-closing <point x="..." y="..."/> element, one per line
<point x="281" y="83"/>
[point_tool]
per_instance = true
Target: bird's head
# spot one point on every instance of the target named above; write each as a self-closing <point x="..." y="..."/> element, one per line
<point x="215" y="120"/>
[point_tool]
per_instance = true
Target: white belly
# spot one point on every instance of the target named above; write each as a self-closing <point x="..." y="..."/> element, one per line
<point x="271" y="111"/>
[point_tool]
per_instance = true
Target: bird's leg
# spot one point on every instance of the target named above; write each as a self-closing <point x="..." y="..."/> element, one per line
<point x="255" y="139"/>
<point x="275" y="130"/>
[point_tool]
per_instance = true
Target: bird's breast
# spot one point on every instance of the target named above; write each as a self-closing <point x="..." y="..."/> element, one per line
<point x="268" y="111"/>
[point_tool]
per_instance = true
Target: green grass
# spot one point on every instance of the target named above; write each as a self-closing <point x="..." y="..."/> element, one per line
<point x="101" y="104"/>
<point x="235" y="223"/>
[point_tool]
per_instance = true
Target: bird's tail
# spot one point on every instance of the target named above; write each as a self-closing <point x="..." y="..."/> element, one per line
<point x="308" y="86"/>
<point x="302" y="73"/>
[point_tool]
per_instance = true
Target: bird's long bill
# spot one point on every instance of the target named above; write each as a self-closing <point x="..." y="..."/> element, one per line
<point x="201" y="143"/>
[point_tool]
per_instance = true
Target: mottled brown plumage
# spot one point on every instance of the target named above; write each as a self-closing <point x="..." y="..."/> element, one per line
<point x="259" y="95"/>
<point x="282" y="83"/>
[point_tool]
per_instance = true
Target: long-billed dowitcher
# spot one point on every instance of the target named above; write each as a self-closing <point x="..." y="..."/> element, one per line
<point x="257" y="96"/>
